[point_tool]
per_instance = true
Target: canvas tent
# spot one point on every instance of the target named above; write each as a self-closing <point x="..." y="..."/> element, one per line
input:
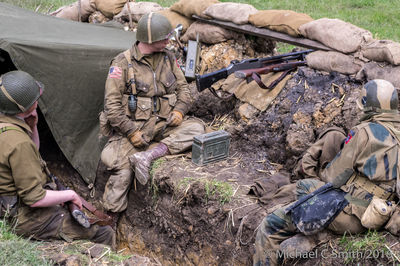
<point x="72" y="61"/>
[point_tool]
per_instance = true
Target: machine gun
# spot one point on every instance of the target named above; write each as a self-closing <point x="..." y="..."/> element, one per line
<point x="246" y="68"/>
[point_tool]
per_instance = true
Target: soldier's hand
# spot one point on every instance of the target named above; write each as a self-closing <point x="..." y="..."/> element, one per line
<point x="175" y="118"/>
<point x="76" y="200"/>
<point x="137" y="139"/>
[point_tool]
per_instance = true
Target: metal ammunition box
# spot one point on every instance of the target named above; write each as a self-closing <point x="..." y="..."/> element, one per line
<point x="210" y="147"/>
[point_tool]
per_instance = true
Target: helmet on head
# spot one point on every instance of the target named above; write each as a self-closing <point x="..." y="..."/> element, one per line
<point x="18" y="92"/>
<point x="153" y="27"/>
<point x="380" y="96"/>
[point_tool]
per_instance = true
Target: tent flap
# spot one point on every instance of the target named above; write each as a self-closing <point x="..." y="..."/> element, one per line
<point x="71" y="59"/>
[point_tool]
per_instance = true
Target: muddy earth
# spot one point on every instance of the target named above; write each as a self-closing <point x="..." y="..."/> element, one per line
<point x="208" y="215"/>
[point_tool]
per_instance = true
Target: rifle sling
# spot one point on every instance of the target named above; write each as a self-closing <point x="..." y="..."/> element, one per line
<point x="101" y="216"/>
<point x="257" y="78"/>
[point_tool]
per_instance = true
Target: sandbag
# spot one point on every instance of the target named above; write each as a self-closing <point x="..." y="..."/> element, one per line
<point x="176" y="18"/>
<point x="234" y="12"/>
<point x="285" y="21"/>
<point x="137" y="10"/>
<point x="110" y="8"/>
<point x="98" y="18"/>
<point x="373" y="70"/>
<point x="382" y="51"/>
<point x="208" y="33"/>
<point x="337" y="34"/>
<point x="192" y="7"/>
<point x="334" y="61"/>
<point x="71" y="12"/>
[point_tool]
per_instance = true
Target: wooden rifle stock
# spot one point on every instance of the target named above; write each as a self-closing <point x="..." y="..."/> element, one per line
<point x="272" y="68"/>
<point x="254" y="74"/>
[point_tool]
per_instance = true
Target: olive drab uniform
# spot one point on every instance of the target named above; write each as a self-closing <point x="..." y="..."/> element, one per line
<point x="140" y="93"/>
<point x="366" y="167"/>
<point x="22" y="182"/>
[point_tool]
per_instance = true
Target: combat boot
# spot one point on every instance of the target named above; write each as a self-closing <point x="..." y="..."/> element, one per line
<point x="300" y="244"/>
<point x="141" y="161"/>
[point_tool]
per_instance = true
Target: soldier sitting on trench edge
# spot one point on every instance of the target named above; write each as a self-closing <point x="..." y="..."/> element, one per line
<point x="356" y="182"/>
<point x="146" y="99"/>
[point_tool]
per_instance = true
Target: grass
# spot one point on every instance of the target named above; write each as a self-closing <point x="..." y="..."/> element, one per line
<point x="369" y="245"/>
<point x="15" y="250"/>
<point x="214" y="189"/>
<point x="153" y="186"/>
<point x="221" y="190"/>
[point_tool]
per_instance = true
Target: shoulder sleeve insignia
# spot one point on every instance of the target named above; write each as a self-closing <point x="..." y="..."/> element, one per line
<point x="115" y="72"/>
<point x="351" y="134"/>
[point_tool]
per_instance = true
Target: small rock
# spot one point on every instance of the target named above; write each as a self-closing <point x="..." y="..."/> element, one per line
<point x="247" y="111"/>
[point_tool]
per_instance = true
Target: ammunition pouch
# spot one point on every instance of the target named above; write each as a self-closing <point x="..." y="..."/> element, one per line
<point x="167" y="104"/>
<point x="369" y="186"/>
<point x="8" y="206"/>
<point x="315" y="211"/>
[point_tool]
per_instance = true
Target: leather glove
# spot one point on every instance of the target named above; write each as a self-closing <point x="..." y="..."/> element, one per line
<point x="175" y="118"/>
<point x="137" y="140"/>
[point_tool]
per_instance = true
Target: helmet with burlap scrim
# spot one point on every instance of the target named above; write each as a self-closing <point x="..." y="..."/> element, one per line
<point x="379" y="96"/>
<point x="153" y="27"/>
<point x="18" y="92"/>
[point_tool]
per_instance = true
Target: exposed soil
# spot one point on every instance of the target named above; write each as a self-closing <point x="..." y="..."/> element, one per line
<point x="205" y="215"/>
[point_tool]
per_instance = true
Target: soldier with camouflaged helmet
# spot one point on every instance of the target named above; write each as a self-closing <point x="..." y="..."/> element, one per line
<point x="357" y="187"/>
<point x="26" y="197"/>
<point x="146" y="99"/>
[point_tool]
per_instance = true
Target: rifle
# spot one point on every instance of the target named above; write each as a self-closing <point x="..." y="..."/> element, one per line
<point x="80" y="216"/>
<point x="254" y="74"/>
<point x="205" y="81"/>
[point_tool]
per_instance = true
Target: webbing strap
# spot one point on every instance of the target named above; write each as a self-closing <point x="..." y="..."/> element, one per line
<point x="370" y="187"/>
<point x="131" y="76"/>
<point x="6" y="127"/>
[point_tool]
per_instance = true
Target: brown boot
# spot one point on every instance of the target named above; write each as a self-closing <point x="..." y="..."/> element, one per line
<point x="141" y="161"/>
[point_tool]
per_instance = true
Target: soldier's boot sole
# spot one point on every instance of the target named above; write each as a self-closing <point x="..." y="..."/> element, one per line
<point x="81" y="218"/>
<point x="141" y="165"/>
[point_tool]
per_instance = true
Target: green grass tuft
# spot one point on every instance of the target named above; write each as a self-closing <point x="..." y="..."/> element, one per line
<point x="15" y="250"/>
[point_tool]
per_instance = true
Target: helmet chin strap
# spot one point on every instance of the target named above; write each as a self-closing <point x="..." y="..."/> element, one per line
<point x="9" y="97"/>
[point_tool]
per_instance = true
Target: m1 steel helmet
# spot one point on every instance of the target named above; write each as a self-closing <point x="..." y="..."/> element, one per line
<point x="153" y="27"/>
<point x="18" y="92"/>
<point x="380" y="96"/>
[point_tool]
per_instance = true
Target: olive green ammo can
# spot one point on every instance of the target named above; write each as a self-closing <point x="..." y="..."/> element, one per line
<point x="210" y="147"/>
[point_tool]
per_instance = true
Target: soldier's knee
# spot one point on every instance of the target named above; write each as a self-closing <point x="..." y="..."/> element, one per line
<point x="105" y="235"/>
<point x="306" y="186"/>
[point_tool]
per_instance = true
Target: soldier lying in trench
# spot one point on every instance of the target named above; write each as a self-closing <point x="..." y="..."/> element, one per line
<point x="350" y="183"/>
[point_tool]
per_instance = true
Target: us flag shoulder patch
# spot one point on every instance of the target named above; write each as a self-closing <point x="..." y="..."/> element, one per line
<point x="351" y="134"/>
<point x="115" y="72"/>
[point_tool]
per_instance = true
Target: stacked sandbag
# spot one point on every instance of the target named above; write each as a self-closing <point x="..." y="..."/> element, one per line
<point x="336" y="34"/>
<point x="71" y="12"/>
<point x="189" y="8"/>
<point x="208" y="34"/>
<point x="285" y="21"/>
<point x="175" y="18"/>
<point x="110" y="8"/>
<point x="374" y="70"/>
<point x="382" y="51"/>
<point x="233" y="12"/>
<point x="137" y="10"/>
<point x="334" y="61"/>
